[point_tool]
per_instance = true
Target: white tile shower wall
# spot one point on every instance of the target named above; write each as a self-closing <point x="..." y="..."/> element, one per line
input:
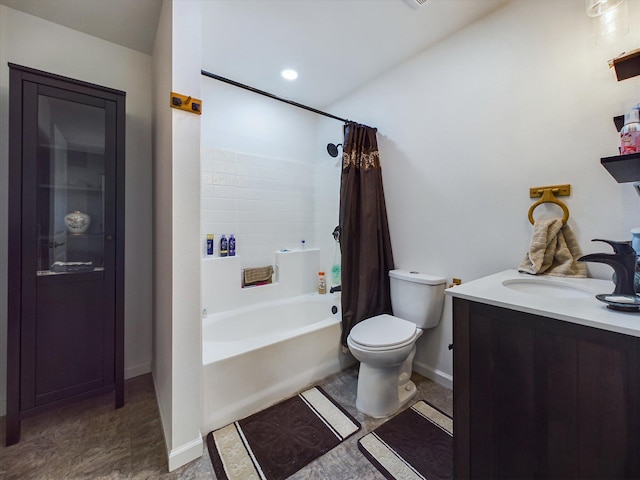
<point x="267" y="203"/>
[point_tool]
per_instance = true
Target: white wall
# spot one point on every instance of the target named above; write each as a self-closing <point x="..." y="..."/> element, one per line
<point x="162" y="222"/>
<point x="521" y="98"/>
<point x="36" y="43"/>
<point x="177" y="333"/>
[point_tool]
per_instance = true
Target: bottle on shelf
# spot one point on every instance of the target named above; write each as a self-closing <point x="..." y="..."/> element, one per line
<point x="232" y="246"/>
<point x="630" y="133"/>
<point x="223" y="246"/>
<point x="209" y="244"/>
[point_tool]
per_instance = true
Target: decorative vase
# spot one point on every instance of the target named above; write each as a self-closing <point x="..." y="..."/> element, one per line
<point x="77" y="222"/>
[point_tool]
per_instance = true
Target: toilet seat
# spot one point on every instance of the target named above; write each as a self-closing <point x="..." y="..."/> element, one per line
<point x="383" y="332"/>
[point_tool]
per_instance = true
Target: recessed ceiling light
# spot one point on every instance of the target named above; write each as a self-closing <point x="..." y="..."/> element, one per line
<point x="289" y="74"/>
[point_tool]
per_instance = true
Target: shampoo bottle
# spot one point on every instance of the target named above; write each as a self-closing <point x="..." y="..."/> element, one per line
<point x="223" y="246"/>
<point x="232" y="246"/>
<point x="209" y="244"/>
<point x="322" y="283"/>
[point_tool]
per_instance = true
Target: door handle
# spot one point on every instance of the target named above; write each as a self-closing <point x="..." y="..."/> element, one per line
<point x="109" y="238"/>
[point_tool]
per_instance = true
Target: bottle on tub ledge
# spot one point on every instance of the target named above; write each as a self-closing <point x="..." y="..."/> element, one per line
<point x="322" y="283"/>
<point x="223" y="246"/>
<point x="232" y="246"/>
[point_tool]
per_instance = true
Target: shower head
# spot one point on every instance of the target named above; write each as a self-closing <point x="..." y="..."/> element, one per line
<point x="333" y="149"/>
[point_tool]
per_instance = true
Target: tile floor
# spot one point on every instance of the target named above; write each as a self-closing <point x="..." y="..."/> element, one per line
<point x="91" y="440"/>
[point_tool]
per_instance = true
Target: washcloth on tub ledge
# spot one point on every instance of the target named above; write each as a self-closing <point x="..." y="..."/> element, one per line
<point x="553" y="251"/>
<point x="253" y="276"/>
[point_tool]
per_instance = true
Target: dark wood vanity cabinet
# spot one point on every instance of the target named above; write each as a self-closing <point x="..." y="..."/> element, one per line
<point x="65" y="333"/>
<point x="536" y="397"/>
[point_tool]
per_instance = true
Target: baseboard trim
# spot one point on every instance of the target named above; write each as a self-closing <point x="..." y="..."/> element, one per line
<point x="434" y="374"/>
<point x="185" y="453"/>
<point x="137" y="370"/>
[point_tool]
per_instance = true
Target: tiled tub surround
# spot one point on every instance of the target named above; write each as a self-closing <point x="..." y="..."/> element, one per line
<point x="267" y="203"/>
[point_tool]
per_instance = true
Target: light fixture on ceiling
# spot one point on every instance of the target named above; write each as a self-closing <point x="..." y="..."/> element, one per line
<point x="415" y="3"/>
<point x="611" y="18"/>
<point x="289" y="74"/>
<point x="595" y="8"/>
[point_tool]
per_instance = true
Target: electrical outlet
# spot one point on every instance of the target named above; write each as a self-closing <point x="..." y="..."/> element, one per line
<point x="186" y="103"/>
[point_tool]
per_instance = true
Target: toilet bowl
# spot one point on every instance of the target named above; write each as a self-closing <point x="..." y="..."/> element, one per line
<point x="385" y="344"/>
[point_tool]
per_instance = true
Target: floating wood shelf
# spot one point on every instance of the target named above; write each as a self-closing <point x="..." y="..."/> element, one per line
<point x="624" y="168"/>
<point x="626" y="65"/>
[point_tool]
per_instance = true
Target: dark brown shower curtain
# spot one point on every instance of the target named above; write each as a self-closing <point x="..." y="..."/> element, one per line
<point x="364" y="232"/>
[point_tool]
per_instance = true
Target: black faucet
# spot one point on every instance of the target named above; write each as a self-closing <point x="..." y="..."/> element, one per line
<point x="337" y="288"/>
<point x="623" y="262"/>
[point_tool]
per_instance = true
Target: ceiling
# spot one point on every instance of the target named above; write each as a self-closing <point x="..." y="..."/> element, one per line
<point x="335" y="45"/>
<point x="130" y="23"/>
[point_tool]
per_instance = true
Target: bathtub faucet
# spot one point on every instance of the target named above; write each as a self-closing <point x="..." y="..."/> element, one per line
<point x="337" y="288"/>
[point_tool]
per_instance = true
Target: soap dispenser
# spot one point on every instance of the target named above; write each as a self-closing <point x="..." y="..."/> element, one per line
<point x="630" y="133"/>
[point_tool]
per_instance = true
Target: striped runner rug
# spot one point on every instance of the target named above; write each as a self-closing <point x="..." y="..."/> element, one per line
<point x="416" y="444"/>
<point x="278" y="441"/>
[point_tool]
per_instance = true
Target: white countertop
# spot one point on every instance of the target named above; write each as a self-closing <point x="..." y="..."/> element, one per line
<point x="584" y="311"/>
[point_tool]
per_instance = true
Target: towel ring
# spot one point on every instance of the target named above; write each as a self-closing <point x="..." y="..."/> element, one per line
<point x="549" y="197"/>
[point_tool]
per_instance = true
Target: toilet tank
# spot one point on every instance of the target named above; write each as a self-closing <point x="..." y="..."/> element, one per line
<point x="417" y="297"/>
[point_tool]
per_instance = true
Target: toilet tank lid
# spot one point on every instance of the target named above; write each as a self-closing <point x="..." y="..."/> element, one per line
<point x="413" y="276"/>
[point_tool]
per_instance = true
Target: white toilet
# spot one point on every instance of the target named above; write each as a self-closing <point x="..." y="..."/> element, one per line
<point x="385" y="344"/>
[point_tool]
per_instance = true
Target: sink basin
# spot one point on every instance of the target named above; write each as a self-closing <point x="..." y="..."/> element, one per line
<point x="546" y="288"/>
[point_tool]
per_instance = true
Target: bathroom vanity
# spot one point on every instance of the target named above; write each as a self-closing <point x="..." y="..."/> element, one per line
<point x="547" y="380"/>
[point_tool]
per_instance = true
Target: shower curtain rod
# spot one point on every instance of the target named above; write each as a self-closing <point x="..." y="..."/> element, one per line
<point x="271" y="95"/>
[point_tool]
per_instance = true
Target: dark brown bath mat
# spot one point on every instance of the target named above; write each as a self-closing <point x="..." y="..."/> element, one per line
<point x="415" y="444"/>
<point x="277" y="442"/>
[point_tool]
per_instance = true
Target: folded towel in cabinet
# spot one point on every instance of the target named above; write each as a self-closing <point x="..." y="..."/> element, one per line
<point x="254" y="276"/>
<point x="553" y="251"/>
<point x="71" y="266"/>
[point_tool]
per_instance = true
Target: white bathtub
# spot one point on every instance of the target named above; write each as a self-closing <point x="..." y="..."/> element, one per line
<point x="255" y="356"/>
